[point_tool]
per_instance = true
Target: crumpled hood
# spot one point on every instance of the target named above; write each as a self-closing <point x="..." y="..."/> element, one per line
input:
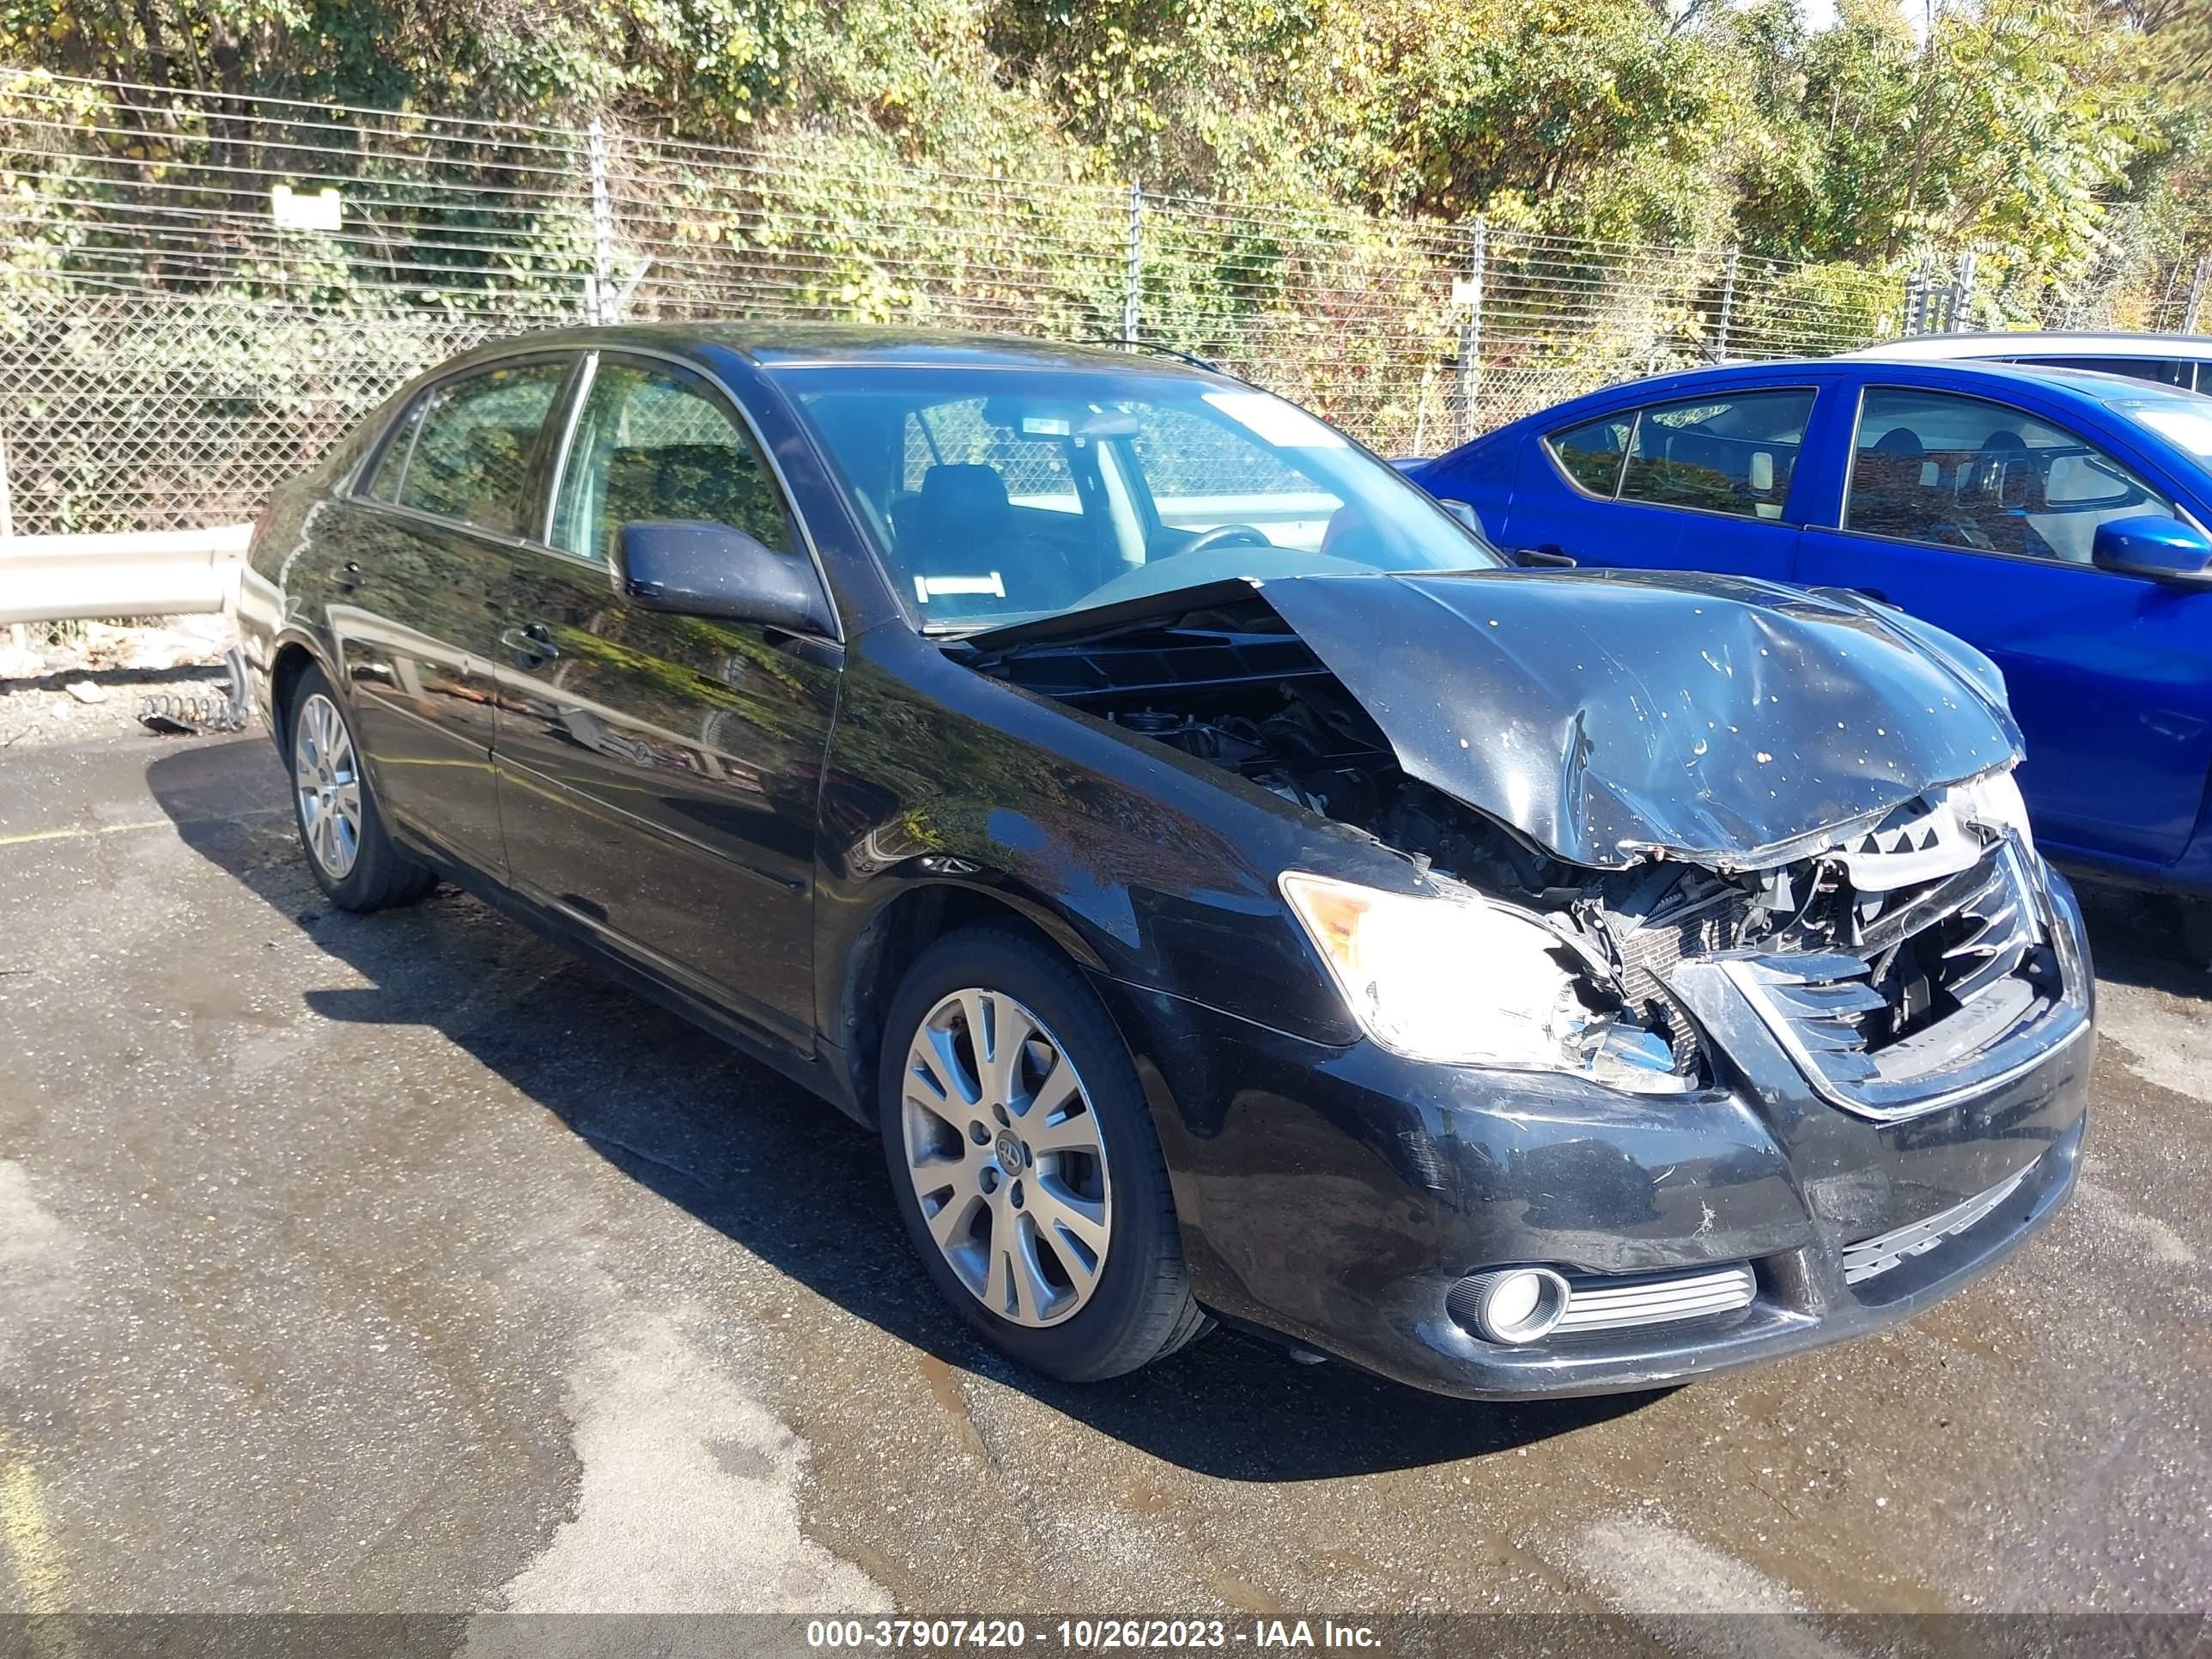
<point x="1612" y="714"/>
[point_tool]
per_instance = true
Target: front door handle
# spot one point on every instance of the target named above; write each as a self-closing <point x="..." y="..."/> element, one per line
<point x="531" y="643"/>
<point x="1550" y="556"/>
<point x="348" y="576"/>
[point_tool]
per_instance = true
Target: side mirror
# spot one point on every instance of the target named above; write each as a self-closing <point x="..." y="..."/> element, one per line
<point x="697" y="568"/>
<point x="2151" y="545"/>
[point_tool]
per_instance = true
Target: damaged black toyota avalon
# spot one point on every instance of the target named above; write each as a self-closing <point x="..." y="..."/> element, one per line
<point x="1231" y="891"/>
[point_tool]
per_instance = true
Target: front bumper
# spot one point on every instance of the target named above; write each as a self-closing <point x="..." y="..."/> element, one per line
<point x="1337" y="1195"/>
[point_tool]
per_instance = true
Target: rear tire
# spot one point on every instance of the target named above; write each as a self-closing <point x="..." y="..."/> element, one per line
<point x="350" y="852"/>
<point x="2196" y="932"/>
<point x="1024" y="1163"/>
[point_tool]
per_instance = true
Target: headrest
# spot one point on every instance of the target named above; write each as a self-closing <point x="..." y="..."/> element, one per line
<point x="960" y="503"/>
<point x="970" y="488"/>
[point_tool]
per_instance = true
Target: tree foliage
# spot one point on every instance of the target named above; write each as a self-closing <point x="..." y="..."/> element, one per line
<point x="2018" y="124"/>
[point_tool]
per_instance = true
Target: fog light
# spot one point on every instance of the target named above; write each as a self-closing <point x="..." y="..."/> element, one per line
<point x="1514" y="1306"/>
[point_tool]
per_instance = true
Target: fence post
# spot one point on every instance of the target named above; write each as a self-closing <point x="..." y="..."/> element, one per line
<point x="1916" y="302"/>
<point x="18" y="635"/>
<point x="1727" y="306"/>
<point x="600" y="290"/>
<point x="2189" y="319"/>
<point x="1467" y="291"/>
<point x="1962" y="293"/>
<point x="1133" y="274"/>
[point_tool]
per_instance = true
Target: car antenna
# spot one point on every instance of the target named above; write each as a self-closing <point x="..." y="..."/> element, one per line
<point x="1154" y="345"/>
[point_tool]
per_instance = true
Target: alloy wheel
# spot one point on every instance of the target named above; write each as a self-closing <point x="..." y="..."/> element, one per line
<point x="328" y="786"/>
<point x="1006" y="1158"/>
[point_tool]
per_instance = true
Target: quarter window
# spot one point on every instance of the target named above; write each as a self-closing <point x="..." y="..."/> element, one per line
<point x="472" y="442"/>
<point x="653" y="444"/>
<point x="1960" y="472"/>
<point x="1732" y="455"/>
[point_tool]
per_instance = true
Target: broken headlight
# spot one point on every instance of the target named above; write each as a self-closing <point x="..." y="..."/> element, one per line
<point x="1449" y="977"/>
<point x="1994" y="799"/>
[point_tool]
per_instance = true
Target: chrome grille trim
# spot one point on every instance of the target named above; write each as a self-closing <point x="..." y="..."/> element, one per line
<point x="1871" y="1257"/>
<point x="1605" y="1302"/>
<point x="1812" y="1003"/>
<point x="1922" y="841"/>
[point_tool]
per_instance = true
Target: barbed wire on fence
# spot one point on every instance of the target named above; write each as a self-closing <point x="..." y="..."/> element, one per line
<point x="186" y="319"/>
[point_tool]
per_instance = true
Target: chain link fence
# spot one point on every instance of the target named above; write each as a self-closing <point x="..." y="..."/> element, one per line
<point x="200" y="293"/>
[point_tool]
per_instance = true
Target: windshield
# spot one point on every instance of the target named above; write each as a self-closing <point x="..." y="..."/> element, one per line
<point x="2185" y="422"/>
<point x="999" y="495"/>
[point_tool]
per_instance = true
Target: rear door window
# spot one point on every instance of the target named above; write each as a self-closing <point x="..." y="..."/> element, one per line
<point x="1733" y="455"/>
<point x="1591" y="453"/>
<point x="1956" y="471"/>
<point x="472" y="443"/>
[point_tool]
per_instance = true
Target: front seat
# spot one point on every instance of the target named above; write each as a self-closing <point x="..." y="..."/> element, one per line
<point x="1998" y="468"/>
<point x="1889" y="486"/>
<point x="960" y="529"/>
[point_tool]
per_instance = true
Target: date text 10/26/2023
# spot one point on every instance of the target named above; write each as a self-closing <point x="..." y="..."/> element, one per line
<point x="1089" y="1635"/>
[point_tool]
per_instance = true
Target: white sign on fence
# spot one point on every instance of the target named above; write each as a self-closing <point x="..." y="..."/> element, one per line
<point x="294" y="209"/>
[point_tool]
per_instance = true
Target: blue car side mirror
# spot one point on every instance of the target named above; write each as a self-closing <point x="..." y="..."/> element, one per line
<point x="2153" y="545"/>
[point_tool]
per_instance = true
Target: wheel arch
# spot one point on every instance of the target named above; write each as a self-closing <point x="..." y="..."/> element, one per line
<point x="292" y="658"/>
<point x="907" y="920"/>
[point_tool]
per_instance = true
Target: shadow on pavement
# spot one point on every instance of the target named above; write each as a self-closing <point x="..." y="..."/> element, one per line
<point x="2136" y="939"/>
<point x="785" y="1176"/>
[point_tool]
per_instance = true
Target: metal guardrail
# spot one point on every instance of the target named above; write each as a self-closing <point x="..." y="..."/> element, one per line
<point x="158" y="572"/>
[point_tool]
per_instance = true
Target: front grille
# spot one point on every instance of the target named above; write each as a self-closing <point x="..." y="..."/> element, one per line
<point x="1611" y="1302"/>
<point x="1940" y="976"/>
<point x="1872" y="1257"/>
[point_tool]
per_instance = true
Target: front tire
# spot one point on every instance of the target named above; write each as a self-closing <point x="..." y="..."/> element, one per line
<point x="350" y="853"/>
<point x="1023" y="1161"/>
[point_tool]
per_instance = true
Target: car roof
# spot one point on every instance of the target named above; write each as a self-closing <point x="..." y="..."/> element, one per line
<point x="776" y="345"/>
<point x="1931" y="347"/>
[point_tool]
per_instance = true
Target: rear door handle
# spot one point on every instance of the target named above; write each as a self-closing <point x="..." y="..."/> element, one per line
<point x="348" y="576"/>
<point x="1874" y="593"/>
<point x="532" y="642"/>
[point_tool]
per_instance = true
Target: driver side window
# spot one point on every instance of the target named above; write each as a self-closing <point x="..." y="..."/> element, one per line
<point x="1958" y="471"/>
<point x="655" y="444"/>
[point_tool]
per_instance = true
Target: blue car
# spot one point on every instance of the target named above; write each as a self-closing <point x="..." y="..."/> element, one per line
<point x="2057" y="520"/>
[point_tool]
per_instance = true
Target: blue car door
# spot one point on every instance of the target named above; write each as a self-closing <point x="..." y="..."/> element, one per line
<point x="1700" y="482"/>
<point x="1978" y="516"/>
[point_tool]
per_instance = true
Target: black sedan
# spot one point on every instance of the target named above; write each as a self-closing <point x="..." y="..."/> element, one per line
<point x="1228" y="889"/>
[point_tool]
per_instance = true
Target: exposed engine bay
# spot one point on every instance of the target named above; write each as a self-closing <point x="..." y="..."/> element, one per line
<point x="1898" y="913"/>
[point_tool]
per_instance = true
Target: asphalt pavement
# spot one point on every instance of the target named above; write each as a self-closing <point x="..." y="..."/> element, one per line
<point x="403" y="1262"/>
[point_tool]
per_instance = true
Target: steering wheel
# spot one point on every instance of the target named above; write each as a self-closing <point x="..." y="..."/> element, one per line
<point x="1222" y="535"/>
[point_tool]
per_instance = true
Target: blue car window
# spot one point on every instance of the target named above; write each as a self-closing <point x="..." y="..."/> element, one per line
<point x="1591" y="453"/>
<point x="1962" y="472"/>
<point x="2165" y="371"/>
<point x="1718" y="453"/>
